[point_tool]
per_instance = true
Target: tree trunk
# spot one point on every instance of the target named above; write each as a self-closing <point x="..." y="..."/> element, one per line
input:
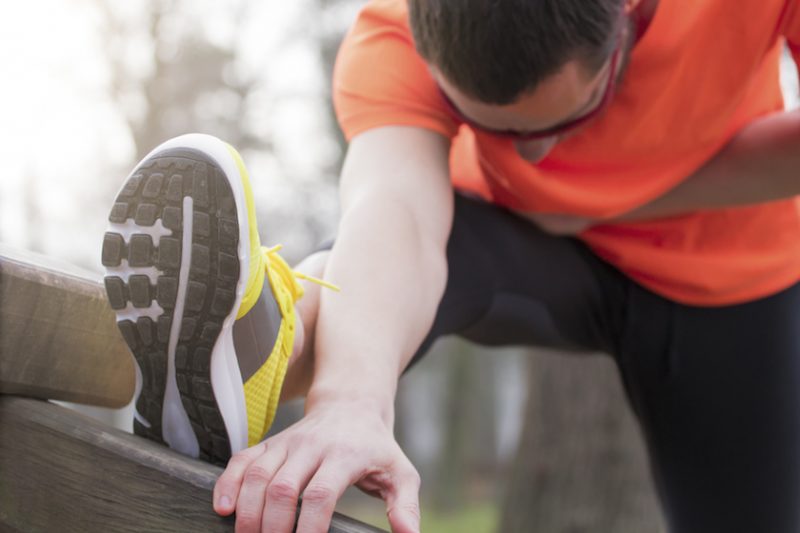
<point x="581" y="464"/>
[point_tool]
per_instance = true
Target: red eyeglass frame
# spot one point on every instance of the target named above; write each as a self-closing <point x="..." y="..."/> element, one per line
<point x="549" y="132"/>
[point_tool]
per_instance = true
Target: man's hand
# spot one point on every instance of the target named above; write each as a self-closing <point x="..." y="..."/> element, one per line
<point x="332" y="447"/>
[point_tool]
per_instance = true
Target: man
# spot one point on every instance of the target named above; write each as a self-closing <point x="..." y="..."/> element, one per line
<point x="624" y="181"/>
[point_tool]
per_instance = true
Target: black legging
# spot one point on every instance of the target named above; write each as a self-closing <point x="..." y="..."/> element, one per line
<point x="716" y="389"/>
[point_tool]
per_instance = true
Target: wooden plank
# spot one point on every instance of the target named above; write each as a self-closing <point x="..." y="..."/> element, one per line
<point x="58" y="335"/>
<point x="62" y="471"/>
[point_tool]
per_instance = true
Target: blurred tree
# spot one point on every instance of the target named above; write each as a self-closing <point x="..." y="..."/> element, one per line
<point x="581" y="465"/>
<point x="172" y="70"/>
<point x="468" y="460"/>
<point x="451" y="466"/>
<point x="335" y="20"/>
<point x="189" y="82"/>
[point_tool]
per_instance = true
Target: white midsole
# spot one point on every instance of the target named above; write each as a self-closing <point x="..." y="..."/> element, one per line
<point x="226" y="379"/>
<point x="133" y="313"/>
<point x="137" y="391"/>
<point x="129" y="227"/>
<point x="176" y="430"/>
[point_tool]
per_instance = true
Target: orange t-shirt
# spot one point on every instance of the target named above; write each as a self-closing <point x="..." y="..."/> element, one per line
<point x="700" y="73"/>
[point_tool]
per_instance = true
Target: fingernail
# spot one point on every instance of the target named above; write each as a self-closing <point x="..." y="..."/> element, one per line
<point x="225" y="502"/>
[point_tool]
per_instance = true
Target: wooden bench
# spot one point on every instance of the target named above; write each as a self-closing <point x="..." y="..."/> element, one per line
<point x="63" y="471"/>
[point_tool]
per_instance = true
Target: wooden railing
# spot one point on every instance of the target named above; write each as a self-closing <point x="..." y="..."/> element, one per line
<point x="60" y="470"/>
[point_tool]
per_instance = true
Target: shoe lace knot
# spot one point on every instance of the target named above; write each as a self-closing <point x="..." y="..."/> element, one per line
<point x="277" y="265"/>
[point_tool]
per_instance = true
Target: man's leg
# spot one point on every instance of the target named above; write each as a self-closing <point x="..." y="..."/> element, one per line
<point x="508" y="283"/>
<point x="301" y="364"/>
<point x="717" y="391"/>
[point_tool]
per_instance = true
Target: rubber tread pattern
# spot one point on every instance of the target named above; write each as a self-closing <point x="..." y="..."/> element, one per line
<point x="156" y="191"/>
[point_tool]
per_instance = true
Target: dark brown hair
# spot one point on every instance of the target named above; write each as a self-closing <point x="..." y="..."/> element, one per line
<point x="497" y="50"/>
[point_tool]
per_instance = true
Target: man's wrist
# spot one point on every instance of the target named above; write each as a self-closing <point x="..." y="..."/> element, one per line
<point x="342" y="394"/>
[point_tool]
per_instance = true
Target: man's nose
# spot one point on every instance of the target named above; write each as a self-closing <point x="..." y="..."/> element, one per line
<point x="535" y="150"/>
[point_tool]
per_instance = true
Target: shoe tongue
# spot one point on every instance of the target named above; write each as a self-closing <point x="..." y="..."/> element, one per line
<point x="255" y="334"/>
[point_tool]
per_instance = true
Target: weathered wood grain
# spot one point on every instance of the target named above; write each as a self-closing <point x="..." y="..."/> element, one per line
<point x="58" y="336"/>
<point x="62" y="471"/>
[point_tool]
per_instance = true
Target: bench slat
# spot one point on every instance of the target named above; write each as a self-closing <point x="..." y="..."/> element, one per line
<point x="62" y="471"/>
<point x="58" y="335"/>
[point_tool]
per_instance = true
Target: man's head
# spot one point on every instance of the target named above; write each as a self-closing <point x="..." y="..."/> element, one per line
<point x="523" y="66"/>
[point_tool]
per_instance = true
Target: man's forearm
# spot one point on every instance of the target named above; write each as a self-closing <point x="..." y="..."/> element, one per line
<point x="760" y="164"/>
<point x="392" y="278"/>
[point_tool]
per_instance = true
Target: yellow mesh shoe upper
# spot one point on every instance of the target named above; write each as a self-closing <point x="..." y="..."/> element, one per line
<point x="255" y="277"/>
<point x="263" y="390"/>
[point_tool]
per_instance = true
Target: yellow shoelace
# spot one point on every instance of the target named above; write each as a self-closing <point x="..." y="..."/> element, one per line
<point x="288" y="276"/>
<point x="263" y="389"/>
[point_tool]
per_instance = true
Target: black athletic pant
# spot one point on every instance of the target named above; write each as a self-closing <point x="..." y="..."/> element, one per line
<point x="716" y="389"/>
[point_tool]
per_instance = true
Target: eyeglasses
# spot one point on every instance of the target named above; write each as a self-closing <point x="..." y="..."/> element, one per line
<point x="552" y="131"/>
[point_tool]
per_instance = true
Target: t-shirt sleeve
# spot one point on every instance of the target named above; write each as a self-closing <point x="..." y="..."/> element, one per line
<point x="380" y="80"/>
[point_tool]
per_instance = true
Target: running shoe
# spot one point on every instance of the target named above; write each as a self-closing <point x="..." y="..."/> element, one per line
<point x="185" y="274"/>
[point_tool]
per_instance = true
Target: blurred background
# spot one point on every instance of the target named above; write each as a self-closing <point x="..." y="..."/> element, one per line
<point x="505" y="440"/>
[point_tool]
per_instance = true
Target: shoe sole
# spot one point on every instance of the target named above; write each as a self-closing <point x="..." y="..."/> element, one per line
<point x="173" y="256"/>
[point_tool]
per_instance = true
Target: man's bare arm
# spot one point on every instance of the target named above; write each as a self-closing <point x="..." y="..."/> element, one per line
<point x="389" y="259"/>
<point x="760" y="164"/>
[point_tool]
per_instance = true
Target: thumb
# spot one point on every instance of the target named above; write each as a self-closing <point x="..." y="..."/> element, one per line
<point x="402" y="506"/>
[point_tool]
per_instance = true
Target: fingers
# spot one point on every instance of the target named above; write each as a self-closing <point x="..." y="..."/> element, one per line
<point x="250" y="506"/>
<point x="399" y="486"/>
<point x="402" y="501"/>
<point x="283" y="492"/>
<point x="226" y="490"/>
<point x="263" y="483"/>
<point x="321" y="494"/>
<point x="263" y="487"/>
